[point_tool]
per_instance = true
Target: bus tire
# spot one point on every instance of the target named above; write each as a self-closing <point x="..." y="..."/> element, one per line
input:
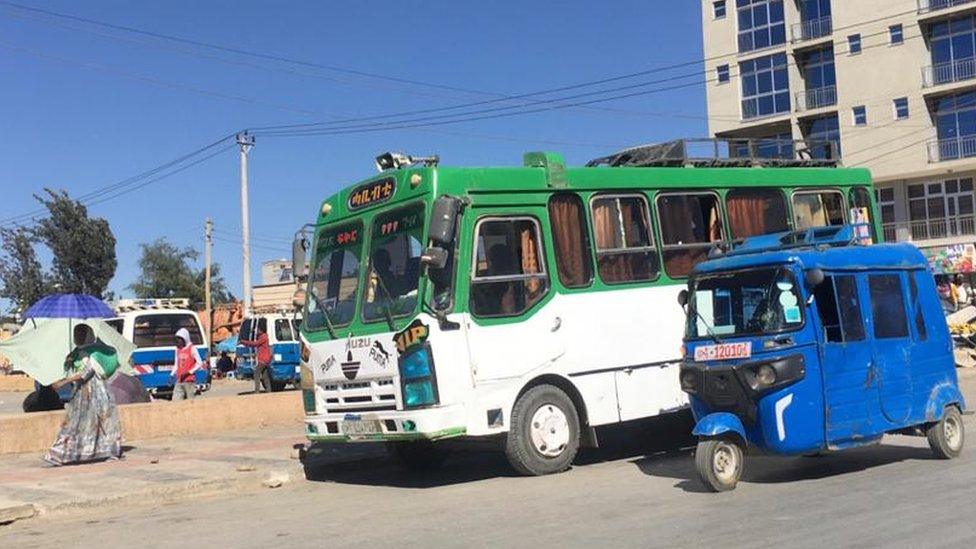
<point x="718" y="462"/>
<point x="947" y="436"/>
<point x="421" y="455"/>
<point x="544" y="433"/>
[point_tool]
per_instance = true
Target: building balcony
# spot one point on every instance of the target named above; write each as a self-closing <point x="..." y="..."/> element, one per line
<point x="930" y="229"/>
<point x="816" y="98"/>
<point x="949" y="73"/>
<point x="813" y="29"/>
<point x="944" y="150"/>
<point x="928" y="6"/>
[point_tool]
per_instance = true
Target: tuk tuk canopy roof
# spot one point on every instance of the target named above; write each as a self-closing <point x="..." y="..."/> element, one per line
<point x="837" y="258"/>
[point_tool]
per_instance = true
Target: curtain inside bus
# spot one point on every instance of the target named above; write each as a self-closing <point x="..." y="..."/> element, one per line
<point x="571" y="246"/>
<point x="690" y="224"/>
<point x="625" y="248"/>
<point x="754" y="212"/>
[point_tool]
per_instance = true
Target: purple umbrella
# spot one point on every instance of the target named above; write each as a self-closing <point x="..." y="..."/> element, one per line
<point x="127" y="389"/>
<point x="69" y="306"/>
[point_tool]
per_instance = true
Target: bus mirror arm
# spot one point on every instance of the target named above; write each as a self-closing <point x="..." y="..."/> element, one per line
<point x="434" y="257"/>
<point x="442" y="320"/>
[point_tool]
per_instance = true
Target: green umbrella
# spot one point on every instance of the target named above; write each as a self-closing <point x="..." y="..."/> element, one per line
<point x="40" y="347"/>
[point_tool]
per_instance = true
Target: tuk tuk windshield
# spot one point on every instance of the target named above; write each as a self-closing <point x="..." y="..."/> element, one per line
<point x="748" y="302"/>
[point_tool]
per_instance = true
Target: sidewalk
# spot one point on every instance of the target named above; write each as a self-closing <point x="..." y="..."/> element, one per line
<point x="163" y="470"/>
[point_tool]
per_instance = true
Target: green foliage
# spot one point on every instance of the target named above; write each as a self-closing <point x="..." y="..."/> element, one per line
<point x="22" y="281"/>
<point x="83" y="247"/>
<point x="167" y="271"/>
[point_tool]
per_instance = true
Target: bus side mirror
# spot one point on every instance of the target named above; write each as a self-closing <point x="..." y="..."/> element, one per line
<point x="443" y="220"/>
<point x="299" y="264"/>
<point x="814" y="278"/>
<point x="683" y="298"/>
<point x="434" y="258"/>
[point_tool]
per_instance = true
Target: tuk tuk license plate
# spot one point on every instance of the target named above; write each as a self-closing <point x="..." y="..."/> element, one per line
<point x="362" y="427"/>
<point x="725" y="351"/>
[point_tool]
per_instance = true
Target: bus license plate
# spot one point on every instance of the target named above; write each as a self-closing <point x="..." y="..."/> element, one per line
<point x="724" y="351"/>
<point x="362" y="427"/>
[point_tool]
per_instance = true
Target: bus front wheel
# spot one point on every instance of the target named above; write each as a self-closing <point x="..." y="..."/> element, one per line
<point x="544" y="434"/>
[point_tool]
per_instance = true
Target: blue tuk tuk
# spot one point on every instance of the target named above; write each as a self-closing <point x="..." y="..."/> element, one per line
<point x="807" y="342"/>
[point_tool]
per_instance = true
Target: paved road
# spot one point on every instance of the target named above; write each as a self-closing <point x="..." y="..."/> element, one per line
<point x="628" y="495"/>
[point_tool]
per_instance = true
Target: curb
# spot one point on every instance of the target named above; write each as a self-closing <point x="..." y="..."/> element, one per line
<point x="17" y="512"/>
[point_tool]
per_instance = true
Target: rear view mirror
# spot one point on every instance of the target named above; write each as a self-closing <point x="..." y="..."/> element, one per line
<point x="443" y="220"/>
<point x="434" y="258"/>
<point x="299" y="263"/>
<point x="683" y="298"/>
<point x="814" y="277"/>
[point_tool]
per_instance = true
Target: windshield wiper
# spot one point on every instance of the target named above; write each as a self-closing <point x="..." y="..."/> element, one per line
<point x="386" y="295"/>
<point x="708" y="328"/>
<point x="325" y="315"/>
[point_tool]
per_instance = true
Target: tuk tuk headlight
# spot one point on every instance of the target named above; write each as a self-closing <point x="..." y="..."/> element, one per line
<point x="689" y="381"/>
<point x="766" y="375"/>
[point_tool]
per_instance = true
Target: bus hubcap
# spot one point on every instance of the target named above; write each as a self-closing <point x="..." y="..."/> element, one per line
<point x="550" y="430"/>
<point x="725" y="463"/>
<point x="953" y="435"/>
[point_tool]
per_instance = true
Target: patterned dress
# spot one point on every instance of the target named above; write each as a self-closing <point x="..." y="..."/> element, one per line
<point x="91" y="429"/>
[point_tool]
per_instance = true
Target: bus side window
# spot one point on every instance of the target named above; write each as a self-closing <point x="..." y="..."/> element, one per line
<point x="861" y="211"/>
<point x="570" y="240"/>
<point x="921" y="333"/>
<point x="754" y="212"/>
<point x="509" y="273"/>
<point x="625" y="249"/>
<point x="690" y="225"/>
<point x="818" y="209"/>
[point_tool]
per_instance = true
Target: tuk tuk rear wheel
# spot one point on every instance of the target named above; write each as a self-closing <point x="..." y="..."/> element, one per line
<point x="718" y="463"/>
<point x="947" y="436"/>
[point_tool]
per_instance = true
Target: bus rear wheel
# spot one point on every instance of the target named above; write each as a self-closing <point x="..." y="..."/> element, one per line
<point x="544" y="433"/>
<point x="422" y="455"/>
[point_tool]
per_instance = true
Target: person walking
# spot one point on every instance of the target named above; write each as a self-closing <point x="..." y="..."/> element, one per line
<point x="91" y="430"/>
<point x="185" y="367"/>
<point x="262" y="367"/>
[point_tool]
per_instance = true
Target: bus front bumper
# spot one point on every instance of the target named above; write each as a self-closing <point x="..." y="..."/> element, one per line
<point x="394" y="425"/>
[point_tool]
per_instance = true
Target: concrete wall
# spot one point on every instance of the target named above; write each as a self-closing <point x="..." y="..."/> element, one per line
<point x="36" y="432"/>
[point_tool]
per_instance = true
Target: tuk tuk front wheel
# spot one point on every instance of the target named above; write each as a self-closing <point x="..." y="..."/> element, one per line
<point x="947" y="436"/>
<point x="718" y="463"/>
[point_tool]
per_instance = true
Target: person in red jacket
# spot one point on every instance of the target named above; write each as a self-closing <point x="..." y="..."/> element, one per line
<point x="185" y="368"/>
<point x="262" y="372"/>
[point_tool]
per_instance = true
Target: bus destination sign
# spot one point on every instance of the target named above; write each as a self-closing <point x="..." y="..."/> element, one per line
<point x="374" y="192"/>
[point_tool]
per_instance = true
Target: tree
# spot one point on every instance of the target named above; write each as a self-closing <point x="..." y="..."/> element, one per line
<point x="166" y="271"/>
<point x="83" y="247"/>
<point x="22" y="281"/>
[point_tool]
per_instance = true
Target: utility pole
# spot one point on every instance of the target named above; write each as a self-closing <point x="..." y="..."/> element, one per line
<point x="208" y="244"/>
<point x="245" y="141"/>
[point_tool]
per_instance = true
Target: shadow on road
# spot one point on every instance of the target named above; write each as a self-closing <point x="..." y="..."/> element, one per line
<point x="772" y="469"/>
<point x="369" y="464"/>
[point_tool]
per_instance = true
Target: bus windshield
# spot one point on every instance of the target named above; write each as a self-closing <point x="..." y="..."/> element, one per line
<point x="334" y="280"/>
<point x="394" y="274"/>
<point x="748" y="302"/>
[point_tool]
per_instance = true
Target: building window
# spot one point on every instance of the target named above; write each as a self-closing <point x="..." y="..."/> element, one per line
<point x="765" y="86"/>
<point x="761" y="24"/>
<point x="820" y="78"/>
<point x="901" y="108"/>
<point x="897" y="34"/>
<point x="860" y="115"/>
<point x="953" y="45"/>
<point x="823" y="137"/>
<point x="811" y="10"/>
<point x="955" y="120"/>
<point x="723" y="73"/>
<point x="942" y="209"/>
<point x="718" y="9"/>
<point x="854" y="44"/>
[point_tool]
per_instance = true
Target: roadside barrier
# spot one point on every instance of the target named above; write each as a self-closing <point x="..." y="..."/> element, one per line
<point x="16" y="384"/>
<point x="35" y="432"/>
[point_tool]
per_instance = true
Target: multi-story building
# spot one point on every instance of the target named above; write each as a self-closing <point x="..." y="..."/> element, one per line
<point x="891" y="84"/>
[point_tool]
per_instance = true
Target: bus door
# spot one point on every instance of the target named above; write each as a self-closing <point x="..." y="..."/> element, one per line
<point x="511" y="333"/>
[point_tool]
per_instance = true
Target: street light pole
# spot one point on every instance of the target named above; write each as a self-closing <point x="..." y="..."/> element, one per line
<point x="245" y="141"/>
<point x="208" y="305"/>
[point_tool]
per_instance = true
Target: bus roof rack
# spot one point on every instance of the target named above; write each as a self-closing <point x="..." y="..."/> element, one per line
<point x="816" y="237"/>
<point x="725" y="153"/>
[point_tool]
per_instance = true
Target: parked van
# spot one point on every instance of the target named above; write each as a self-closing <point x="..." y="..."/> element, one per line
<point x="283" y="339"/>
<point x="153" y="332"/>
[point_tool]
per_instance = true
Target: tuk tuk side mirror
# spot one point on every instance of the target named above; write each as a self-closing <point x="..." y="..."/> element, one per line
<point x="443" y="220"/>
<point x="683" y="298"/>
<point x="434" y="258"/>
<point x="299" y="263"/>
<point x="814" y="278"/>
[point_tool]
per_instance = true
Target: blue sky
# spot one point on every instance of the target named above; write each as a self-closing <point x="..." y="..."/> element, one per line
<point x="83" y="106"/>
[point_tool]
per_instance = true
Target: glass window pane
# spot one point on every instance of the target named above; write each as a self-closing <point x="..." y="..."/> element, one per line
<point x="571" y="244"/>
<point x="755" y="212"/>
<point x="393" y="280"/>
<point x="887" y="306"/>
<point x="509" y="248"/>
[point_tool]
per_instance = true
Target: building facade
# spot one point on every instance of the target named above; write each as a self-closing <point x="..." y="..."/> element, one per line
<point x="885" y="84"/>
<point x="276" y="271"/>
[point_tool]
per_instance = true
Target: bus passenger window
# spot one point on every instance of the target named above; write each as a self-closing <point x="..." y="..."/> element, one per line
<point x="570" y="240"/>
<point x="887" y="306"/>
<point x="509" y="275"/>
<point x="624" y="246"/>
<point x="818" y="209"/>
<point x="690" y="225"/>
<point x="861" y="213"/>
<point x="754" y="212"/>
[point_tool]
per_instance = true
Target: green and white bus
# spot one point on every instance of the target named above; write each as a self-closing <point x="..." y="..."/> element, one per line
<point x="528" y="304"/>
